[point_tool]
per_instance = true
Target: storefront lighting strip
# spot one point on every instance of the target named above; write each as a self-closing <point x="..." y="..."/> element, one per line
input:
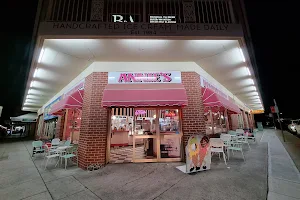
<point x="243" y="57"/>
<point x="35" y="72"/>
<point x="248" y="70"/>
<point x="41" y="55"/>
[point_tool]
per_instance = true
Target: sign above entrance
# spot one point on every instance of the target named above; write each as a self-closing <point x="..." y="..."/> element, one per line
<point x="144" y="77"/>
<point x="138" y="29"/>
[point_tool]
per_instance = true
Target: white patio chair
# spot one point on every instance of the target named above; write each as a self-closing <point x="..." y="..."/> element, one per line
<point x="37" y="147"/>
<point x="50" y="153"/>
<point x="239" y="132"/>
<point x="226" y="138"/>
<point x="235" y="146"/>
<point x="55" y="142"/>
<point x="253" y="135"/>
<point x="69" y="154"/>
<point x="217" y="146"/>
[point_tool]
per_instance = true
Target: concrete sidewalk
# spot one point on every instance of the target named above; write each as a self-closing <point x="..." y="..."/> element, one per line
<point x="284" y="177"/>
<point x="21" y="178"/>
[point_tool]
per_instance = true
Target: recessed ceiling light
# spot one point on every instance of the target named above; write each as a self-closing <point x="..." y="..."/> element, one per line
<point x="35" y="72"/>
<point x="243" y="57"/>
<point x="41" y="55"/>
<point x="248" y="70"/>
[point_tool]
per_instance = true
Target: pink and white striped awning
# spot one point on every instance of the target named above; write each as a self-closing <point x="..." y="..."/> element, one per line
<point x="216" y="102"/>
<point x="144" y="95"/>
<point x="72" y="100"/>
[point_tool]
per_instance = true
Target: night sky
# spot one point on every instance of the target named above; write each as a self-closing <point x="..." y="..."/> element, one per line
<point x="274" y="33"/>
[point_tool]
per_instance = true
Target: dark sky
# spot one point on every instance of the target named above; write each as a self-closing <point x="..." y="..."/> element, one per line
<point x="274" y="33"/>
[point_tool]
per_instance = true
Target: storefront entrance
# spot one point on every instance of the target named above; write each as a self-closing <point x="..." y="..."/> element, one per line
<point x="145" y="135"/>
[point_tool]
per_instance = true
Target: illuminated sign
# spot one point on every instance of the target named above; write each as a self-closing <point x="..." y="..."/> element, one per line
<point x="144" y="77"/>
<point x="140" y="112"/>
<point x="163" y="19"/>
<point x="257" y="112"/>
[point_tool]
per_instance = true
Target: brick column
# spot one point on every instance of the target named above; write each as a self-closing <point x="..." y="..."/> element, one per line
<point x="60" y="127"/>
<point x="94" y="126"/>
<point x="193" y="121"/>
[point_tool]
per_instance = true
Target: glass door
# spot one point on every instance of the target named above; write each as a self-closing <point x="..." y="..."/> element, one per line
<point x="145" y="135"/>
<point x="170" y="135"/>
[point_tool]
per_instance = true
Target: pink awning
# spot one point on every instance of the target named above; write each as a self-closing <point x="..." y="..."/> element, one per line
<point x="144" y="95"/>
<point x="217" y="102"/>
<point x="72" y="100"/>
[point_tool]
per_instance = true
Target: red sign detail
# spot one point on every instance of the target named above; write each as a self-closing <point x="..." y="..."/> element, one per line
<point x="273" y="109"/>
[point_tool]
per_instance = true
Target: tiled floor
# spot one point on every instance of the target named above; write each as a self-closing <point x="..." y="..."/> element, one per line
<point x="124" y="154"/>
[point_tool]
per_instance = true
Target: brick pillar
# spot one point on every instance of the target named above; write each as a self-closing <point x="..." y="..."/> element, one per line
<point x="94" y="126"/>
<point x="60" y="127"/>
<point x="193" y="121"/>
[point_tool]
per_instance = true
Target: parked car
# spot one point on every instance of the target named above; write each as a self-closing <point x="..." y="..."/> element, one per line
<point x="294" y="127"/>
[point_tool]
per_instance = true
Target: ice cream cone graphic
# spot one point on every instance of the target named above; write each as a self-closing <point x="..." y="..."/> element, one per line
<point x="204" y="145"/>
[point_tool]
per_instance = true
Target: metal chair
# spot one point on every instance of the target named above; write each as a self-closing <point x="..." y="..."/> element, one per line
<point x="37" y="147"/>
<point x="50" y="153"/>
<point x="217" y="146"/>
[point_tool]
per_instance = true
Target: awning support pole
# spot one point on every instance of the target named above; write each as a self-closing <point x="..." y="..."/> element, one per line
<point x="226" y="119"/>
<point x="212" y="121"/>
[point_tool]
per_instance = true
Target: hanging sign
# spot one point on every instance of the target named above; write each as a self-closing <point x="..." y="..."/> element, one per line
<point x="140" y="112"/>
<point x="144" y="77"/>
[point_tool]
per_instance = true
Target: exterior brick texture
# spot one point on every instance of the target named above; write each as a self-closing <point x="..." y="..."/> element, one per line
<point x="193" y="115"/>
<point x="60" y="127"/>
<point x="94" y="127"/>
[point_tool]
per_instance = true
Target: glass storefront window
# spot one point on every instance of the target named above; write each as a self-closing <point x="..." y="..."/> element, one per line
<point x="170" y="133"/>
<point x="169" y="121"/>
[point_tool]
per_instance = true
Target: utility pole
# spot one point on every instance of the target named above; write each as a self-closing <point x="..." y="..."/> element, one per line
<point x="277" y="111"/>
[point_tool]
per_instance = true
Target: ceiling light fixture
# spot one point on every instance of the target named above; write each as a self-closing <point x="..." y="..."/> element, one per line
<point x="31" y="84"/>
<point x="243" y="57"/>
<point x="252" y="81"/>
<point x="41" y="55"/>
<point x="248" y="70"/>
<point x="35" y="72"/>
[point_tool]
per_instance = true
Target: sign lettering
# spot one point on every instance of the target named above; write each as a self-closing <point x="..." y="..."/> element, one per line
<point x="144" y="77"/>
<point x="163" y="19"/>
<point x="123" y="25"/>
<point x="124" y="18"/>
<point x="140" y="112"/>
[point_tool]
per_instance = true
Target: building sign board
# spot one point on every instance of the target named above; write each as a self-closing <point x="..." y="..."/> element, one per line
<point x="205" y="83"/>
<point x="163" y="19"/>
<point x="47" y="109"/>
<point x="144" y="77"/>
<point x="138" y="29"/>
